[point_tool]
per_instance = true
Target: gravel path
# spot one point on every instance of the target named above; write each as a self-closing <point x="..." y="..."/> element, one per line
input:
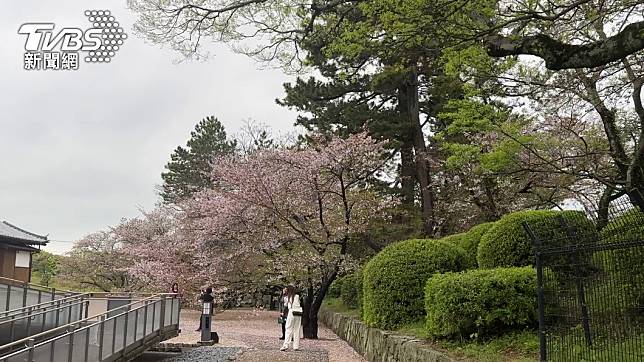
<point x="253" y="336"/>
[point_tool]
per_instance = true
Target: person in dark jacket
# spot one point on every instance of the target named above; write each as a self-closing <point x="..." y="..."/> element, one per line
<point x="283" y="311"/>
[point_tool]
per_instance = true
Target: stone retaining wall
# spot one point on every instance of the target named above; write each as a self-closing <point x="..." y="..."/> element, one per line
<point x="377" y="345"/>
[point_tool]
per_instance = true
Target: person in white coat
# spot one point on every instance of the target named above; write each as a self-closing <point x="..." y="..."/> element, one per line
<point x="293" y="320"/>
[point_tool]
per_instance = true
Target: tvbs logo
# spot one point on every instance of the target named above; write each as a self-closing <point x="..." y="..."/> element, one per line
<point x="48" y="49"/>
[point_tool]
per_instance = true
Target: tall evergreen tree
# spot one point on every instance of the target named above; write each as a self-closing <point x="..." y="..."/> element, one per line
<point x="189" y="168"/>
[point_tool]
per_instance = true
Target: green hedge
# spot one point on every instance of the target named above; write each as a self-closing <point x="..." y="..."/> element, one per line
<point x="470" y="241"/>
<point x="480" y="303"/>
<point x="624" y="265"/>
<point x="457" y="239"/>
<point x="507" y="244"/>
<point x="394" y="280"/>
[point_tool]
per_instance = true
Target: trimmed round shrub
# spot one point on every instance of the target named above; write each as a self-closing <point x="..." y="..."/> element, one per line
<point x="394" y="280"/>
<point x="481" y="303"/>
<point x="470" y="241"/>
<point x="349" y="291"/>
<point x="457" y="239"/>
<point x="507" y="243"/>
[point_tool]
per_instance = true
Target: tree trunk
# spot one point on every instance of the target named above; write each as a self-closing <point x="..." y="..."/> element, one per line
<point x="408" y="95"/>
<point x="311" y="307"/>
<point x="407" y="171"/>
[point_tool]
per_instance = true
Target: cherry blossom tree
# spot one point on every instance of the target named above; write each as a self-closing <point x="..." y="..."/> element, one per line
<point x="162" y="252"/>
<point x="289" y="215"/>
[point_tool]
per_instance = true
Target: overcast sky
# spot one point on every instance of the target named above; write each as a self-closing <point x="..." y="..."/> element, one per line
<point x="82" y="149"/>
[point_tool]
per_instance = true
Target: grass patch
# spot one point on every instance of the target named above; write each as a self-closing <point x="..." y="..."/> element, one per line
<point x="516" y="346"/>
<point x="337" y="306"/>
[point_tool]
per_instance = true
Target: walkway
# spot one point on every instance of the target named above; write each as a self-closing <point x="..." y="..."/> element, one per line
<point x="253" y="336"/>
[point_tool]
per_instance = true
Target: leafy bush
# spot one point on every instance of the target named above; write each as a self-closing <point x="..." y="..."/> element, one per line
<point x="394" y="280"/>
<point x="359" y="288"/>
<point x="506" y="243"/>
<point x="349" y="291"/>
<point x="471" y="239"/>
<point x="335" y="288"/>
<point x="625" y="264"/>
<point x="457" y="239"/>
<point x="481" y="302"/>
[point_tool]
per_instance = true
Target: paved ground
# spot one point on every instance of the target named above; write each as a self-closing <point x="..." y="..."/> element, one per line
<point x="252" y="335"/>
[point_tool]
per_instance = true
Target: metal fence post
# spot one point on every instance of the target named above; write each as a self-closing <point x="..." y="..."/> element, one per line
<point x="162" y="317"/>
<point x="127" y="317"/>
<point x="145" y="321"/>
<point x="540" y="296"/>
<point x="70" y="354"/>
<point x="114" y="334"/>
<point x="101" y="332"/>
<point x="8" y="296"/>
<point x="29" y="311"/>
<point x="136" y="323"/>
<point x="25" y="288"/>
<point x="30" y="344"/>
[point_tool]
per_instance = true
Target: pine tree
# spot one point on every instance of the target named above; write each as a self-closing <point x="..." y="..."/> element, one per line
<point x="189" y="168"/>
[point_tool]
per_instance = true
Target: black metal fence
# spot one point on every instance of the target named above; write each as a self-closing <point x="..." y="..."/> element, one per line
<point x="590" y="275"/>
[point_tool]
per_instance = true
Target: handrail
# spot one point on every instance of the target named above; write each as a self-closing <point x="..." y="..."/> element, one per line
<point x="5" y="314"/>
<point x="31" y="315"/>
<point x="67" y="326"/>
<point x="36" y="286"/>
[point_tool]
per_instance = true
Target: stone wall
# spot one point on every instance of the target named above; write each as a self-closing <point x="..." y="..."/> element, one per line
<point x="377" y="345"/>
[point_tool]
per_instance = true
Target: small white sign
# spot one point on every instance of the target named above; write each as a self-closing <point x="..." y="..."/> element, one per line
<point x="23" y="259"/>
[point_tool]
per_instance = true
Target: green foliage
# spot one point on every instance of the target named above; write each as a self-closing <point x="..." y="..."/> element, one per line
<point x="573" y="348"/>
<point x="359" y="278"/>
<point x="45" y="265"/>
<point x="335" y="288"/>
<point x="394" y="280"/>
<point x="470" y="241"/>
<point x="480" y="303"/>
<point x="349" y="291"/>
<point x="189" y="168"/>
<point x="506" y="243"/>
<point x="625" y="264"/>
<point x="336" y="305"/>
<point x="458" y="240"/>
<point x="516" y="346"/>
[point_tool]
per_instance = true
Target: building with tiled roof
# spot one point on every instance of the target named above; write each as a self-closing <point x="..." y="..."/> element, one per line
<point x="16" y="247"/>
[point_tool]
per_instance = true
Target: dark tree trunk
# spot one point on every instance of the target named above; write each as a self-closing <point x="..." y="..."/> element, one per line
<point x="312" y="301"/>
<point x="604" y="205"/>
<point x="408" y="95"/>
<point x="407" y="171"/>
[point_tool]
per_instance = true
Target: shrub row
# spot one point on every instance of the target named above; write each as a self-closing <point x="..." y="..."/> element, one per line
<point x="403" y="283"/>
<point x="507" y="243"/>
<point x="394" y="280"/>
<point x="480" y="302"/>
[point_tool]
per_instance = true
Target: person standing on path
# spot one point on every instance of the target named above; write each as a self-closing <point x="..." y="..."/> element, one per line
<point x="283" y="312"/>
<point x="293" y="320"/>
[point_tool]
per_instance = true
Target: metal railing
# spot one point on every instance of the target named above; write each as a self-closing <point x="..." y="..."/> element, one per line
<point x="590" y="285"/>
<point x="15" y="294"/>
<point x="43" y="319"/>
<point x="109" y="336"/>
<point x="8" y="314"/>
